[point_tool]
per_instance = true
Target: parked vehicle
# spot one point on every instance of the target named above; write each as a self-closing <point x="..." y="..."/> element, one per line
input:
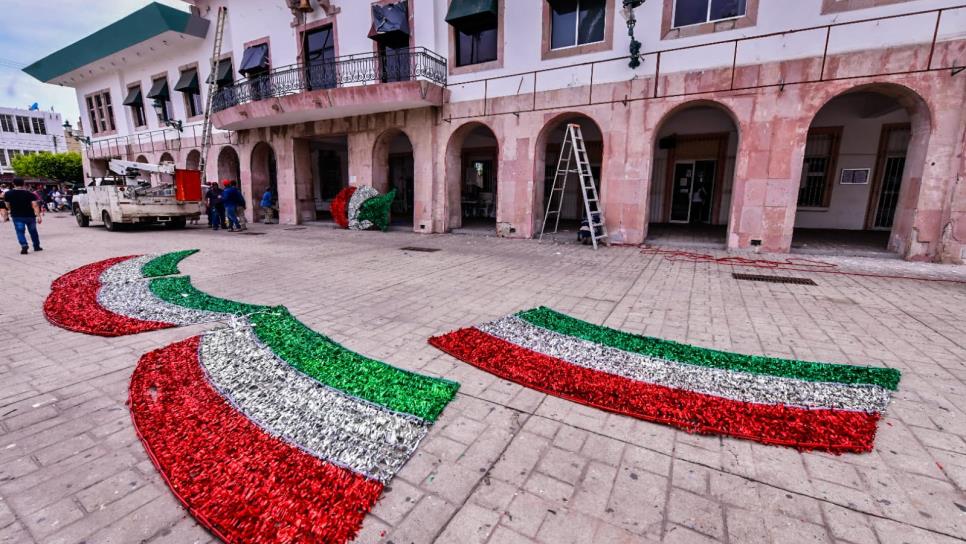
<point x="132" y="197"/>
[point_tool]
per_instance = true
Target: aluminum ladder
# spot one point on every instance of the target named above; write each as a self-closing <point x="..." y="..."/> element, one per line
<point x="574" y="150"/>
<point x="212" y="84"/>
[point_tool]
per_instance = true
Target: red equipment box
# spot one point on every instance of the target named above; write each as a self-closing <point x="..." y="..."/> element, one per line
<point x="187" y="185"/>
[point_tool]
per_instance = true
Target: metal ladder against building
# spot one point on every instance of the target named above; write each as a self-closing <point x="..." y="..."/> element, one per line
<point x="212" y="85"/>
<point x="574" y="149"/>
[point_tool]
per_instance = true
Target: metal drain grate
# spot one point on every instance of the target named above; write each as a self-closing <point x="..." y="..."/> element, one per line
<point x="249" y="233"/>
<point x="296" y="228"/>
<point x="773" y="279"/>
<point x="420" y="249"/>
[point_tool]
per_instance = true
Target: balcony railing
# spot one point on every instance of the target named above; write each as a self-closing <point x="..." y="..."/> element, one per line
<point x="413" y="64"/>
<point x="166" y="139"/>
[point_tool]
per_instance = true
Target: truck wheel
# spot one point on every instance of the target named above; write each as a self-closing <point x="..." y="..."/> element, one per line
<point x="108" y="222"/>
<point x="82" y="220"/>
<point x="178" y="222"/>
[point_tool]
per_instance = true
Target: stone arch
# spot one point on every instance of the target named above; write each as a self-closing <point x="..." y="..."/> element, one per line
<point x="193" y="160"/>
<point x="166" y="157"/>
<point x="141" y="159"/>
<point x="454" y="169"/>
<point x="694" y="148"/>
<point x="264" y="169"/>
<point x="228" y="165"/>
<point x="550" y="134"/>
<point x="393" y="167"/>
<point x="900" y="122"/>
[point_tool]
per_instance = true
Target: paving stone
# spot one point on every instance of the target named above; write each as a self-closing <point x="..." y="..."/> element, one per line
<point x="67" y="449"/>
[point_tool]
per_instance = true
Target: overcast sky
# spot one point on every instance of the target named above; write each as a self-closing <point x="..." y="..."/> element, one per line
<point x="32" y="29"/>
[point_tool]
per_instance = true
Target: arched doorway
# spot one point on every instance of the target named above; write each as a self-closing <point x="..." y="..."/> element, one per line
<point x="264" y="175"/>
<point x="695" y="149"/>
<point x="141" y="159"/>
<point x="166" y="157"/>
<point x="857" y="158"/>
<point x="393" y="167"/>
<point x="472" y="159"/>
<point x="548" y="148"/>
<point x="229" y="167"/>
<point x="166" y="179"/>
<point x="193" y="160"/>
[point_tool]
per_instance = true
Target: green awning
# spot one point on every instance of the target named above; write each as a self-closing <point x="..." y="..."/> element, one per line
<point x="133" y="97"/>
<point x="159" y="89"/>
<point x="223" y="75"/>
<point x="188" y="82"/>
<point x="142" y="25"/>
<point x="469" y="13"/>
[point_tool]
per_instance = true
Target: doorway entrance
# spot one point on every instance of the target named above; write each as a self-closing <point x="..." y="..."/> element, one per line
<point x="692" y="177"/>
<point x="393" y="167"/>
<point x="693" y="191"/>
<point x="329" y="163"/>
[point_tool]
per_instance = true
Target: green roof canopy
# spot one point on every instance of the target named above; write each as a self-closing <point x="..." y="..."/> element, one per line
<point x="144" y="24"/>
<point x="464" y="13"/>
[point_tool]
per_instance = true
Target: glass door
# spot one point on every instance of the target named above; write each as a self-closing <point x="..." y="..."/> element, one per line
<point x="702" y="190"/>
<point x="681" y="191"/>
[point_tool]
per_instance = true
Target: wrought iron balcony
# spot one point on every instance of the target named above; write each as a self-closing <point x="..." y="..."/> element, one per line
<point x="415" y="64"/>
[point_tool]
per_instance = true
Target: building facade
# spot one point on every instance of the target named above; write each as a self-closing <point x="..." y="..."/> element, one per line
<point x="752" y="120"/>
<point x="24" y="131"/>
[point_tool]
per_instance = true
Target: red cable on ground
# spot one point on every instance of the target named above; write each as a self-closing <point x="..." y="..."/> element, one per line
<point x="791" y="264"/>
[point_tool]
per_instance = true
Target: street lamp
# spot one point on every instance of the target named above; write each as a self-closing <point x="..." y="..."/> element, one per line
<point x="70" y="130"/>
<point x="628" y="13"/>
<point x="162" y="112"/>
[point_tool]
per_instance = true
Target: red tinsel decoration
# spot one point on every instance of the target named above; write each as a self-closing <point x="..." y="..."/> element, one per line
<point x="804" y="429"/>
<point x="72" y="304"/>
<point x="340" y="205"/>
<point x="241" y="483"/>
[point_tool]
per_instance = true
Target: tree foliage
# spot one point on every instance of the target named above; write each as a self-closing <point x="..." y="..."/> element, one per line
<point x="63" y="167"/>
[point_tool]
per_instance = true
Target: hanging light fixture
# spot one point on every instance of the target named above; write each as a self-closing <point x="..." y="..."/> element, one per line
<point x="628" y="13"/>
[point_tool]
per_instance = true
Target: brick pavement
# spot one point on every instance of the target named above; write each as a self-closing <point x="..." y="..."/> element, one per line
<point x="504" y="465"/>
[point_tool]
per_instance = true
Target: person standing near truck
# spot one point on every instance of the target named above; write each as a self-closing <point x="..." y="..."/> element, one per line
<point x="25" y="210"/>
<point x="233" y="199"/>
<point x="213" y="203"/>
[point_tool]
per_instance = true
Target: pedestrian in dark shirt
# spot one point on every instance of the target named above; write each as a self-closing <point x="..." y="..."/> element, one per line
<point x="213" y="203"/>
<point x="25" y="210"/>
<point x="232" y="199"/>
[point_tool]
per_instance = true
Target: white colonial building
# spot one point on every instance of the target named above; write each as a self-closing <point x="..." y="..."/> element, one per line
<point x="24" y="131"/>
<point x="748" y="123"/>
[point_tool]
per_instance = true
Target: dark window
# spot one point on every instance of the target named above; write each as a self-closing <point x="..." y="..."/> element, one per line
<point x="39" y="125"/>
<point x="189" y="87"/>
<point x="134" y="101"/>
<point x="6" y="123"/>
<point x="161" y="97"/>
<point x="100" y="112"/>
<point x="23" y="124"/>
<point x="395" y="63"/>
<point x="476" y="46"/>
<point x="821" y="154"/>
<point x="3" y="157"/>
<point x="576" y="22"/>
<point x="319" y="48"/>
<point x="693" y="12"/>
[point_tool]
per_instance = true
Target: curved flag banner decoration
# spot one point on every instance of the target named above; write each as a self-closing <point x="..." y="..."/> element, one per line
<point x="804" y="405"/>
<point x="266" y="430"/>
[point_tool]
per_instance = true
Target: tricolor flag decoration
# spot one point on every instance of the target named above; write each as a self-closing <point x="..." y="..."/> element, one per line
<point x="362" y="208"/>
<point x="804" y="405"/>
<point x="266" y="430"/>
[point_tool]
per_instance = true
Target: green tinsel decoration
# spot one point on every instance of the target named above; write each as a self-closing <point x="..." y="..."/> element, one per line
<point x="165" y="265"/>
<point x="684" y="353"/>
<point x="180" y="291"/>
<point x="377" y="210"/>
<point x="330" y="363"/>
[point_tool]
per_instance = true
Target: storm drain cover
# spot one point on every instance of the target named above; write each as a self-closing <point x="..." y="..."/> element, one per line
<point x="296" y="228"/>
<point x="420" y="249"/>
<point x="249" y="233"/>
<point x="773" y="279"/>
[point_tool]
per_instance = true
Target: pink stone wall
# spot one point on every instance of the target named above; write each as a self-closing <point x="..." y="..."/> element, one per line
<point x="772" y="106"/>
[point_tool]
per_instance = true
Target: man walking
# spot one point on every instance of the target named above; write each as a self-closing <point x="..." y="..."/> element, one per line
<point x="233" y="199"/>
<point x="213" y="202"/>
<point x="25" y="211"/>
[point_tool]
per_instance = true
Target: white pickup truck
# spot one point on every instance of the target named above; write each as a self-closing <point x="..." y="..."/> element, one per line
<point x="128" y="198"/>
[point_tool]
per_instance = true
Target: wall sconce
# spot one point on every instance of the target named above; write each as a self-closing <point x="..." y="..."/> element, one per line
<point x="162" y="112"/>
<point x="628" y="13"/>
<point x="70" y="131"/>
